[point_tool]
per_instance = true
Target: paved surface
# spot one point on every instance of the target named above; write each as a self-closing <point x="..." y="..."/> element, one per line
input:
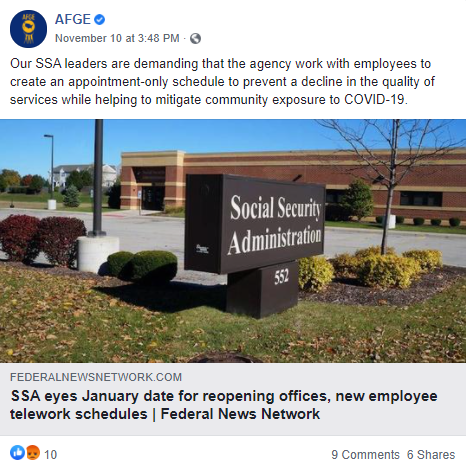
<point x="138" y="233"/>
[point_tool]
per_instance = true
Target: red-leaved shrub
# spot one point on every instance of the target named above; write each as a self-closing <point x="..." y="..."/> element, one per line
<point x="57" y="239"/>
<point x="18" y="237"/>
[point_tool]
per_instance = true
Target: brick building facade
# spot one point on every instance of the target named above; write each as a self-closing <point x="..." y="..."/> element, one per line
<point x="437" y="189"/>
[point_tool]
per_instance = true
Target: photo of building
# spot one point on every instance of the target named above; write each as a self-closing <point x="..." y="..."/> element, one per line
<point x="435" y="189"/>
<point x="231" y="258"/>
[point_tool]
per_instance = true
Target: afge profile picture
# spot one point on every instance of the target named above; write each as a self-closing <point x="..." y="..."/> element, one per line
<point x="28" y="28"/>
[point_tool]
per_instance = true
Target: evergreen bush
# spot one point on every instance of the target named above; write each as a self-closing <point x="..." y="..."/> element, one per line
<point x="119" y="264"/>
<point x="358" y="200"/>
<point x="154" y="267"/>
<point x="71" y="197"/>
<point x="114" y="196"/>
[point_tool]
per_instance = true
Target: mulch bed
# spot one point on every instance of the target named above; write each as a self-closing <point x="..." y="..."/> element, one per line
<point x="348" y="292"/>
<point x="340" y="291"/>
<point x="104" y="281"/>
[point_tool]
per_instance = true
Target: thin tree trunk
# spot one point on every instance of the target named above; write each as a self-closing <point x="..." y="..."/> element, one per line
<point x="388" y="211"/>
<point x="391" y="186"/>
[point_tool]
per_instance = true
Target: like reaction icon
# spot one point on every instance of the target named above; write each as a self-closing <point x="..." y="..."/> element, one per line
<point x="17" y="452"/>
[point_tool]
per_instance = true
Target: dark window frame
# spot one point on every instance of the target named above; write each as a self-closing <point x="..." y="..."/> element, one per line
<point x="336" y="196"/>
<point x="421" y="198"/>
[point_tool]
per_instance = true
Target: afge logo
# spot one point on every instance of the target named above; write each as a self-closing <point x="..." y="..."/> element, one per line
<point x="28" y="28"/>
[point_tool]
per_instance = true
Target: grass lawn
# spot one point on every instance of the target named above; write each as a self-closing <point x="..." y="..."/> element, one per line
<point x="401" y="227"/>
<point x="39" y="201"/>
<point x="42" y="198"/>
<point x="177" y="212"/>
<point x="84" y="208"/>
<point x="45" y="318"/>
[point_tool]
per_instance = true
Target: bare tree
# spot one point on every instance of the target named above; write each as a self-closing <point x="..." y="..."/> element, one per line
<point x="410" y="142"/>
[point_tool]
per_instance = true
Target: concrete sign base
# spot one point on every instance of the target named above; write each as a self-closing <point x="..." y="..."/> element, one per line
<point x="264" y="291"/>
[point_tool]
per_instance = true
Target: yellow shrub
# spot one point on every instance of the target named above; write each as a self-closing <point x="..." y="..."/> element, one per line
<point x="346" y="265"/>
<point x="372" y="250"/>
<point x="428" y="259"/>
<point x="315" y="273"/>
<point x="388" y="271"/>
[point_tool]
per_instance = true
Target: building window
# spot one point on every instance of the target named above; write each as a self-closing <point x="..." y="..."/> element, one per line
<point x="335" y="196"/>
<point x="418" y="198"/>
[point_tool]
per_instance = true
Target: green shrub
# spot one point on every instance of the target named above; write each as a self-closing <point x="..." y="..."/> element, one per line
<point x="36" y="185"/>
<point x="114" y="196"/>
<point x="372" y="250"/>
<point x="87" y="178"/>
<point x="345" y="265"/>
<point x="418" y="221"/>
<point x="388" y="271"/>
<point x="454" y="222"/>
<point x="18" y="190"/>
<point x="71" y="197"/>
<point x="358" y="200"/>
<point x="119" y="264"/>
<point x="3" y="184"/>
<point x="75" y="179"/>
<point x="400" y="219"/>
<point x="315" y="273"/>
<point x="436" y="222"/>
<point x="379" y="219"/>
<point x="154" y="267"/>
<point x="427" y="259"/>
